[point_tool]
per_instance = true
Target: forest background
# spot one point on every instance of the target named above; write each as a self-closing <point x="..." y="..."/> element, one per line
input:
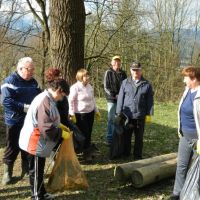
<point x="70" y="34"/>
<point x="161" y="34"/>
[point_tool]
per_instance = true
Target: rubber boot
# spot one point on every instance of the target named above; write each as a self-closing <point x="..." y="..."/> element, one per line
<point x="25" y="169"/>
<point x="7" y="176"/>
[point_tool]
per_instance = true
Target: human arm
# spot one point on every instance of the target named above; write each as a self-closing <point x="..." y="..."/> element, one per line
<point x="17" y="94"/>
<point x="47" y="123"/>
<point x="108" y="85"/>
<point x="150" y="101"/>
<point x="120" y="99"/>
<point x="72" y="99"/>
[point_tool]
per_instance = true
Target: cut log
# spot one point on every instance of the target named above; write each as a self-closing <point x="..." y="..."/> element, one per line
<point x="123" y="172"/>
<point x="153" y="173"/>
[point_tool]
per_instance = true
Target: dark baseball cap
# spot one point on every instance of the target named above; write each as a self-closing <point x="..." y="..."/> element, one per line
<point x="135" y="65"/>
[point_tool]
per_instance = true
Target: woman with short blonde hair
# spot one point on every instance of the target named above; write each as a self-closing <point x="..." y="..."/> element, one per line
<point x="82" y="108"/>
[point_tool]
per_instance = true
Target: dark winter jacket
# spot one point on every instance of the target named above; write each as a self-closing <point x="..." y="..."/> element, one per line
<point x="135" y="100"/>
<point x="15" y="93"/>
<point x="112" y="83"/>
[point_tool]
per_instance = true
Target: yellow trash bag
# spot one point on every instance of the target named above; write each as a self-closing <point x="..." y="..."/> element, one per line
<point x="67" y="172"/>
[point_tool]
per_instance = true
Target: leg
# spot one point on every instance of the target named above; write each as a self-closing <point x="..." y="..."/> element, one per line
<point x="25" y="168"/>
<point x="111" y="116"/>
<point x="12" y="146"/>
<point x="85" y="123"/>
<point x="11" y="152"/>
<point x="36" y="174"/>
<point x="127" y="139"/>
<point x="139" y="132"/>
<point x="184" y="155"/>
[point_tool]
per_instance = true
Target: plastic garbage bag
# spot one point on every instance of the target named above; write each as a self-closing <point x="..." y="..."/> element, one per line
<point x="67" y="172"/>
<point x="191" y="188"/>
<point x="117" y="145"/>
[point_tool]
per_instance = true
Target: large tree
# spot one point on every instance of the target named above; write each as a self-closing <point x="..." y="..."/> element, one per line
<point x="67" y="30"/>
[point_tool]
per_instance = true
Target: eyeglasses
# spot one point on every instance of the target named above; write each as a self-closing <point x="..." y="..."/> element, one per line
<point x="29" y="69"/>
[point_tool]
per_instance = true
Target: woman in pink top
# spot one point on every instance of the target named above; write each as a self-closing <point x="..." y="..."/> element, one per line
<point x="82" y="107"/>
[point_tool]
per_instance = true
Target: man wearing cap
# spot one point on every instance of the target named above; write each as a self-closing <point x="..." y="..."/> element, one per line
<point x="112" y="82"/>
<point x="135" y="100"/>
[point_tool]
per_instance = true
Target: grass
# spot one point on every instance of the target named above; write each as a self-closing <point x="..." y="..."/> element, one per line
<point x="160" y="138"/>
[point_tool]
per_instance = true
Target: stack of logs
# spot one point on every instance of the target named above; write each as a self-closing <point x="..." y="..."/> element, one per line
<point x="147" y="171"/>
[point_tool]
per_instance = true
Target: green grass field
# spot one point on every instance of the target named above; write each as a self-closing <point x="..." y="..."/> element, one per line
<point x="160" y="138"/>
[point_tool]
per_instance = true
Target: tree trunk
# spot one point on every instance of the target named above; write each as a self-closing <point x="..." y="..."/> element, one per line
<point x="153" y="173"/>
<point x="124" y="171"/>
<point x="67" y="30"/>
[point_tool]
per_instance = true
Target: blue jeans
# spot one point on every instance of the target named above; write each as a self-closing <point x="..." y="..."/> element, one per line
<point x="111" y="116"/>
<point x="185" y="153"/>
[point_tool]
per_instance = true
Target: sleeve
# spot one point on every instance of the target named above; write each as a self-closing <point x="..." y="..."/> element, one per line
<point x="72" y="99"/>
<point x="63" y="109"/>
<point x="46" y="124"/>
<point x="150" y="101"/>
<point x="95" y="105"/>
<point x="120" y="99"/>
<point x="107" y="84"/>
<point x="8" y="98"/>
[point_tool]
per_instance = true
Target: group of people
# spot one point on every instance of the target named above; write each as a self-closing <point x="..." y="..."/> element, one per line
<point x="132" y="96"/>
<point x="37" y="121"/>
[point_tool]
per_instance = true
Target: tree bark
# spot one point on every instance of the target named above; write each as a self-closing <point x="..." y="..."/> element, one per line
<point x="67" y="30"/>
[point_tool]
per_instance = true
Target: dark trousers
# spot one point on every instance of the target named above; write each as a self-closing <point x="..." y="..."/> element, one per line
<point x="36" y="176"/>
<point x="135" y="126"/>
<point x="12" y="147"/>
<point x="85" y="121"/>
<point x="185" y="153"/>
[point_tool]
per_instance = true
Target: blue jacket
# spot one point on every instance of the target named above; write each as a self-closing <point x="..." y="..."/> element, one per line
<point x="135" y="100"/>
<point x="15" y="92"/>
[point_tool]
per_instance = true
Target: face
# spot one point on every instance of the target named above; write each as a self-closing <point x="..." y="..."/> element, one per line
<point x="27" y="71"/>
<point x="136" y="73"/>
<point x="58" y="95"/>
<point x="190" y="83"/>
<point x="86" y="79"/>
<point x="116" y="64"/>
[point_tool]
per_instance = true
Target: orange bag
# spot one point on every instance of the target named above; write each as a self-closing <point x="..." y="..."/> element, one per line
<point x="67" y="172"/>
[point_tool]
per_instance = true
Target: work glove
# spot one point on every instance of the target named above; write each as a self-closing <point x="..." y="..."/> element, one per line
<point x="64" y="128"/>
<point x="26" y="107"/>
<point x="198" y="147"/>
<point x="148" y="119"/>
<point x="73" y="119"/>
<point x="66" y="134"/>
<point x="98" y="116"/>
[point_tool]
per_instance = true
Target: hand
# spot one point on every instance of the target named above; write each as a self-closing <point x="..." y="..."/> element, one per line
<point x="66" y="135"/>
<point x="148" y="119"/>
<point x="26" y="107"/>
<point x="98" y="116"/>
<point x="73" y="119"/>
<point x="64" y="128"/>
<point x="198" y="147"/>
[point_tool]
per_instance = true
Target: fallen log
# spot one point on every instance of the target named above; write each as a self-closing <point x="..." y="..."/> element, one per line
<point x="153" y="173"/>
<point x="123" y="172"/>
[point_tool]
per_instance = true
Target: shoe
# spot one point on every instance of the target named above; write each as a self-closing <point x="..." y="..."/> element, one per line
<point x="174" y="197"/>
<point x="49" y="196"/>
<point x="7" y="176"/>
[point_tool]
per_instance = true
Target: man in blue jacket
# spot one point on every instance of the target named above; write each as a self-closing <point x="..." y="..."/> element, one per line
<point x="135" y="100"/>
<point x="17" y="92"/>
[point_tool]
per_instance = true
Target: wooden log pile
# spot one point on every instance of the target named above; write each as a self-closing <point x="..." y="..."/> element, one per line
<point x="147" y="171"/>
